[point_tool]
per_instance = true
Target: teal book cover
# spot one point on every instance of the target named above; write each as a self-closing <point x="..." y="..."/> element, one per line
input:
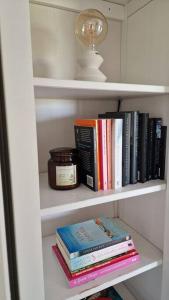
<point x="91" y="235"/>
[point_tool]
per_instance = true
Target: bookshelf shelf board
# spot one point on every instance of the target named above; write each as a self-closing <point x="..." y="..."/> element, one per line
<point x="55" y="201"/>
<point x="75" y="89"/>
<point x="55" y="280"/>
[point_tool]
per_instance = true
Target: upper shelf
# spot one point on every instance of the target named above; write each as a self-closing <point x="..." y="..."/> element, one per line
<point x="75" y="89"/>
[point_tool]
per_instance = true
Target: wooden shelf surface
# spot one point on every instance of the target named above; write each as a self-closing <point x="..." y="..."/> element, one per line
<point x="55" y="280"/>
<point x="75" y="89"/>
<point x="55" y="201"/>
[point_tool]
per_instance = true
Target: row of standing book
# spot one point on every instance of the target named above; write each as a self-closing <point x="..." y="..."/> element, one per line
<point x="120" y="148"/>
<point x="92" y="249"/>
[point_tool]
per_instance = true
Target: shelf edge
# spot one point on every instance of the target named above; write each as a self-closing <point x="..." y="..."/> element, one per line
<point x="49" y="213"/>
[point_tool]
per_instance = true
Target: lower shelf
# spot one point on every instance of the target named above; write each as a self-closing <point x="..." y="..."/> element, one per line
<point x="55" y="280"/>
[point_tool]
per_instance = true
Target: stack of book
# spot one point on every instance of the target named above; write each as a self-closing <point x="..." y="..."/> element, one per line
<point x="120" y="148"/>
<point x="92" y="249"/>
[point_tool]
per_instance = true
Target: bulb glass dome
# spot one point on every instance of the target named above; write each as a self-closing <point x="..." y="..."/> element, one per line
<point x="91" y="27"/>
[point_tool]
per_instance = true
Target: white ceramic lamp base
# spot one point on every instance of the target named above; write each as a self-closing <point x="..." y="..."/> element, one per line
<point x="90" y="64"/>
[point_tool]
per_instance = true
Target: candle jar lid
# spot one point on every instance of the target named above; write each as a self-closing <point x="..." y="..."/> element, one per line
<point x="63" y="151"/>
<point x="63" y="154"/>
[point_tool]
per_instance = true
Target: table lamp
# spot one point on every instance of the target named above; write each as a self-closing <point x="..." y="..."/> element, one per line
<point x="91" y="29"/>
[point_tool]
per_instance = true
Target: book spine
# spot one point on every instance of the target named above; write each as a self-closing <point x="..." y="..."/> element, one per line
<point x="96" y="256"/>
<point x="126" y="143"/>
<point x="103" y="153"/>
<point x="104" y="263"/>
<point x="104" y="245"/>
<point x="156" y="147"/>
<point x="150" y="149"/>
<point x="95" y="274"/>
<point x="126" y="150"/>
<point x="86" y="143"/>
<point x="117" y="129"/>
<point x="109" y="153"/>
<point x="96" y="160"/>
<point x="133" y="147"/>
<point x="163" y="152"/>
<point x="142" y="146"/>
<point x="60" y="242"/>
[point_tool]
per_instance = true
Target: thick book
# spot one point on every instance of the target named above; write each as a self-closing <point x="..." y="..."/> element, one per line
<point x="143" y="146"/>
<point x="95" y="256"/>
<point x="102" y="129"/>
<point x="162" y="152"/>
<point x="157" y="123"/>
<point x="126" y="143"/>
<point x="92" y="235"/>
<point x="84" y="278"/>
<point x="86" y="139"/>
<point x="117" y="135"/>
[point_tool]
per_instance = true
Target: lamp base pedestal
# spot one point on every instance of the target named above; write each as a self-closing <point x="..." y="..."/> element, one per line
<point x="90" y="63"/>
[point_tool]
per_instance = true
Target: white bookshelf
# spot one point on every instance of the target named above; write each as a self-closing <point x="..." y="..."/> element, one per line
<point x="55" y="201"/>
<point x="55" y="280"/>
<point x="75" y="89"/>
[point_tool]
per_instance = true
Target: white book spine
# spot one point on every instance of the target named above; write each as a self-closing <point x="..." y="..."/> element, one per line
<point x="117" y="132"/>
<point x="118" y="153"/>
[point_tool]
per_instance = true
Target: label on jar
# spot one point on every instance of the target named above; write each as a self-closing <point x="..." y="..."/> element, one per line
<point x="66" y="175"/>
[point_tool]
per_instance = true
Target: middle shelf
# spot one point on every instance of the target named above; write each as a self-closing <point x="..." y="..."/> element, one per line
<point x="55" y="201"/>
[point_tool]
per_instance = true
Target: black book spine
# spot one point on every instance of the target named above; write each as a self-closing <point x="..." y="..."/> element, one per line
<point x="162" y="152"/>
<point x="142" y="146"/>
<point x="133" y="147"/>
<point x="86" y="144"/>
<point x="156" y="147"/>
<point x="125" y="144"/>
<point x="150" y="149"/>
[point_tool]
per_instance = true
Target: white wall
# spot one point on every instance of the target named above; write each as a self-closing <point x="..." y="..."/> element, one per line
<point x="147" y="61"/>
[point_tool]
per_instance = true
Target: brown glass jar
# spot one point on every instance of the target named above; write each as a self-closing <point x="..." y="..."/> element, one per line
<point x="63" y="169"/>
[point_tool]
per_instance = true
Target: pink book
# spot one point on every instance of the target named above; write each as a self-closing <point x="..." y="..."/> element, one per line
<point x="93" y="274"/>
<point x="109" y="153"/>
<point x="103" y="152"/>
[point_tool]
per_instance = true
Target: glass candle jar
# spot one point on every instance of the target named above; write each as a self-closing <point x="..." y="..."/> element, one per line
<point x="63" y="169"/>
